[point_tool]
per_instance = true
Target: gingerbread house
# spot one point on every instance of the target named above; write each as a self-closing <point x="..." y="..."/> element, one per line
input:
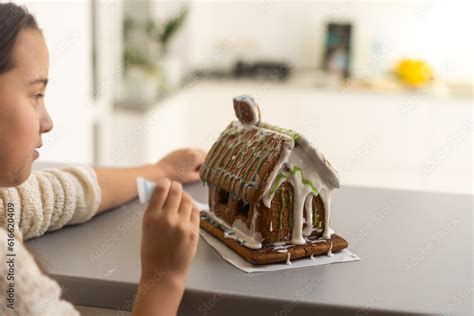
<point x="269" y="191"/>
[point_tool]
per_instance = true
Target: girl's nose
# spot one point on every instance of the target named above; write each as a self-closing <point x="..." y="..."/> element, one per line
<point x="46" y="124"/>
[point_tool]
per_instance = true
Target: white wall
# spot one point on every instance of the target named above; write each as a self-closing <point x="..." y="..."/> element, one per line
<point x="434" y="31"/>
<point x="66" y="27"/>
<point x="109" y="72"/>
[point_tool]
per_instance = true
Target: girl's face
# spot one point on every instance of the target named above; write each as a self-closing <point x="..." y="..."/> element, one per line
<point x="23" y="116"/>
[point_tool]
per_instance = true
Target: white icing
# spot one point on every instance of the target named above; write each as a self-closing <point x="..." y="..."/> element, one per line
<point x="330" y="254"/>
<point x="271" y="227"/>
<point x="282" y="247"/>
<point x="288" y="259"/>
<point x="300" y="192"/>
<point x="252" y="240"/>
<point x="216" y="219"/>
<point x="238" y="231"/>
<point x="318" y="241"/>
<point x="249" y="109"/>
<point x="331" y="231"/>
<point x="300" y="165"/>
<point x="309" y="215"/>
<point x="254" y="221"/>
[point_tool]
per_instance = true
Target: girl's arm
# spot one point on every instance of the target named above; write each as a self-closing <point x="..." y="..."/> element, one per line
<point x="118" y="185"/>
<point x="53" y="198"/>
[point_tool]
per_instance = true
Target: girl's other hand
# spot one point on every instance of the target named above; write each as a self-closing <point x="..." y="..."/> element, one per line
<point x="182" y="165"/>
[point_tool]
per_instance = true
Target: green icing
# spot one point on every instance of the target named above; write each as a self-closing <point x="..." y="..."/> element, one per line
<point x="280" y="177"/>
<point x="296" y="136"/>
<point x="293" y="171"/>
<point x="305" y="181"/>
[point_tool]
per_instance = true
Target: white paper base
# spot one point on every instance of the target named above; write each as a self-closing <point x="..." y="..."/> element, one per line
<point x="233" y="258"/>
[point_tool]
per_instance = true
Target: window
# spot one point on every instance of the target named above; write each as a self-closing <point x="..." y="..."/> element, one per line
<point x="242" y="208"/>
<point x="223" y="197"/>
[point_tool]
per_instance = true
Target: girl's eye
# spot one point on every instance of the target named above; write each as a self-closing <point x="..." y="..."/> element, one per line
<point x="38" y="97"/>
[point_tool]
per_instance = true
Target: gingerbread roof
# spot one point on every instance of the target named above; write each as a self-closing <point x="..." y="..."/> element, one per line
<point x="241" y="160"/>
<point x="245" y="154"/>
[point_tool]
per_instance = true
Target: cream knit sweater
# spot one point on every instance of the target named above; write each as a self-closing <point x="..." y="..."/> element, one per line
<point x="49" y="200"/>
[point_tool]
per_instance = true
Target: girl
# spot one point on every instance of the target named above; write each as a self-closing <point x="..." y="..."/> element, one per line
<point x="32" y="204"/>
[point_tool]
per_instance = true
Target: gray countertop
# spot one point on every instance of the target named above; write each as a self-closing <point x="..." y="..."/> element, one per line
<point x="416" y="251"/>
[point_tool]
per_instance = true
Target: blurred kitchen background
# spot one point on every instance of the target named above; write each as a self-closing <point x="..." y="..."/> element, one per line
<point x="384" y="88"/>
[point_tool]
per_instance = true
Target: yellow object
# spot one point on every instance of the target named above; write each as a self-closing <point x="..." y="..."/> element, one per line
<point x="415" y="73"/>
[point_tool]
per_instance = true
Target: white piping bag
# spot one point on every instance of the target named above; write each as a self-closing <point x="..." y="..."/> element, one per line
<point x="145" y="189"/>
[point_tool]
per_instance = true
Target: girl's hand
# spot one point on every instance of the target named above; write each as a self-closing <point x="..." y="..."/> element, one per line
<point x="182" y="165"/>
<point x="169" y="240"/>
<point x="170" y="232"/>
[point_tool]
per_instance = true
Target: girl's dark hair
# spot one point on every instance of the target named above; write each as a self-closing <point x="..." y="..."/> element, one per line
<point x="13" y="19"/>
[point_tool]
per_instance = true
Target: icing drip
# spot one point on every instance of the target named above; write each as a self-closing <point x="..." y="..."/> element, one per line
<point x="309" y="215"/>
<point x="254" y="221"/>
<point x="288" y="259"/>
<point x="271" y="227"/>
<point x="300" y="193"/>
<point x="330" y="254"/>
<point x="326" y="198"/>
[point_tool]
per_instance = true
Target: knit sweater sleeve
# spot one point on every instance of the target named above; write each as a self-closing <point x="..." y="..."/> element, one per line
<point x="24" y="289"/>
<point x="49" y="200"/>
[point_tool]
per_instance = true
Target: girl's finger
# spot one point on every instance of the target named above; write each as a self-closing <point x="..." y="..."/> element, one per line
<point x="195" y="215"/>
<point x="174" y="197"/>
<point x="159" y="195"/>
<point x="186" y="206"/>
